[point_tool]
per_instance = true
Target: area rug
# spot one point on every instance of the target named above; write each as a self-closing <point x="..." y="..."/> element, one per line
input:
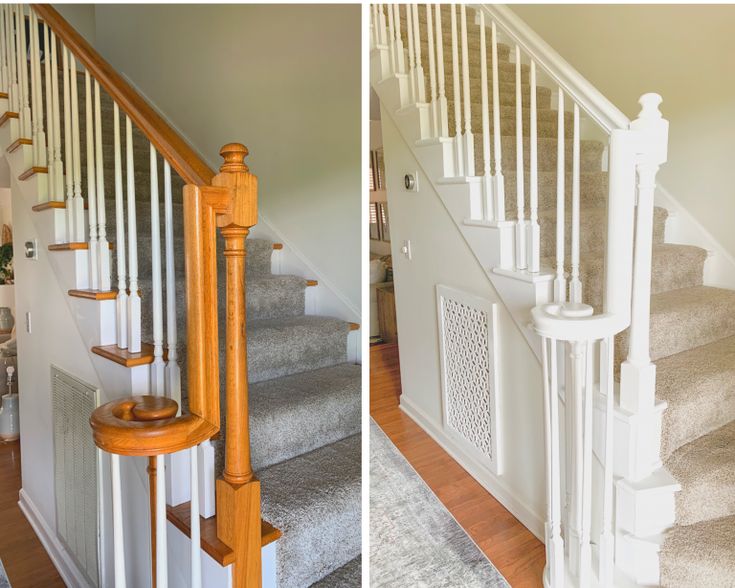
<point x="414" y="540"/>
<point x="4" y="582"/>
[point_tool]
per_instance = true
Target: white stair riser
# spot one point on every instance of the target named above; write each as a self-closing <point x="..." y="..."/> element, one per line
<point x="638" y="558"/>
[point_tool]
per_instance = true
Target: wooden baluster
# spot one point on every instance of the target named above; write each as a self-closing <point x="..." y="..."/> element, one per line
<point x="607" y="540"/>
<point x="560" y="286"/>
<point x="173" y="372"/>
<point x="575" y="285"/>
<point x="134" y="296"/>
<point x="104" y="246"/>
<point x="400" y="57"/>
<point x="49" y="114"/>
<point x="498" y="181"/>
<point x="534" y="231"/>
<point x="433" y="114"/>
<point x="161" y="539"/>
<point x="487" y="213"/>
<point x="196" y="548"/>
<point x="58" y="165"/>
<point x="469" y="140"/>
<point x="158" y="367"/>
<point x="555" y="543"/>
<point x="118" y="536"/>
<point x="442" y="98"/>
<point x="420" y="79"/>
<point x="458" y="147"/>
<point x="391" y="39"/>
<point x="121" y="316"/>
<point x="238" y="491"/>
<point x="411" y="56"/>
<point x="94" y="281"/>
<point x="78" y="212"/>
<point x="520" y="173"/>
<point x="68" y="159"/>
<point x="25" y="114"/>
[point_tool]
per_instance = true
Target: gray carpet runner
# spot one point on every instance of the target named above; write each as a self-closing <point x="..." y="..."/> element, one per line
<point x="304" y="394"/>
<point x="692" y="325"/>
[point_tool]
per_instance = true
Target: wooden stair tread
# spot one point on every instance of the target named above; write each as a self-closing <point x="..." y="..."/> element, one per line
<point x="94" y="294"/>
<point x="29" y="173"/>
<point x="123" y="356"/>
<point x="74" y="246"/>
<point x="180" y="517"/>
<point x="3" y="95"/>
<point x="51" y="204"/>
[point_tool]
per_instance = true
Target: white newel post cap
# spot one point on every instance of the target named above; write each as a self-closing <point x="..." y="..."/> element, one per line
<point x="653" y="129"/>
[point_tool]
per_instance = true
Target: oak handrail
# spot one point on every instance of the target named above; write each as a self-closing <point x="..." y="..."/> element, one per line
<point x="182" y="157"/>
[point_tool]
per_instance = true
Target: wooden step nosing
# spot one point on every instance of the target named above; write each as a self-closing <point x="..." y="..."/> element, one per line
<point x="17" y="143"/>
<point x="50" y="205"/>
<point x="73" y="246"/>
<point x="123" y="357"/>
<point x="94" y="294"/>
<point x="29" y="173"/>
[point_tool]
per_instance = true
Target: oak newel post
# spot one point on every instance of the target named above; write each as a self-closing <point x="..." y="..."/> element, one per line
<point x="238" y="491"/>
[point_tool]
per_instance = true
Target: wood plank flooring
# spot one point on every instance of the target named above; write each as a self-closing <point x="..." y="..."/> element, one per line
<point x="24" y="558"/>
<point x="512" y="548"/>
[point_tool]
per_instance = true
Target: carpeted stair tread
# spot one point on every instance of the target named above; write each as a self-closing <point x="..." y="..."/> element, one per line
<point x="272" y="296"/>
<point x="699" y="388"/>
<point x="593" y="188"/>
<point x="506" y="96"/>
<point x="280" y="347"/>
<point x="315" y="499"/>
<point x="686" y="318"/>
<point x="700" y="555"/>
<point x="259" y="256"/>
<point x="705" y="468"/>
<point x="299" y="413"/>
<point x="348" y="576"/>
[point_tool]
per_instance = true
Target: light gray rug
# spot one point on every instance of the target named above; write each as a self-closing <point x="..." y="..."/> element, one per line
<point x="4" y="582"/>
<point x="414" y="540"/>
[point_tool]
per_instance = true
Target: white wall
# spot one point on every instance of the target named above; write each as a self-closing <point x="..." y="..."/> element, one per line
<point x="284" y="80"/>
<point x="683" y="52"/>
<point x="81" y="17"/>
<point x="440" y="255"/>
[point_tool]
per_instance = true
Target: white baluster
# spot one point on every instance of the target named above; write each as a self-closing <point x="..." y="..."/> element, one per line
<point x="39" y="137"/>
<point x="560" y="287"/>
<point x="411" y="55"/>
<point x="58" y="165"/>
<point x="94" y="281"/>
<point x="420" y="80"/>
<point x="134" y="296"/>
<point x="458" y="146"/>
<point x="68" y="158"/>
<point x="104" y="246"/>
<point x="575" y="410"/>
<point x="498" y="181"/>
<point x="196" y="550"/>
<point x="374" y="26"/>
<point x="585" y="554"/>
<point x="161" y="539"/>
<point x="554" y="542"/>
<point x="575" y="285"/>
<point x="118" y="536"/>
<point x="488" y="213"/>
<point x="4" y="75"/>
<point x="442" y="98"/>
<point x="49" y="113"/>
<point x="607" y="541"/>
<point x="25" y="114"/>
<point x="433" y="114"/>
<point x="534" y="231"/>
<point x="173" y="372"/>
<point x="469" y="140"/>
<point x="400" y="58"/>
<point x="12" y="45"/>
<point x="391" y="39"/>
<point x="158" y="367"/>
<point x="77" y="159"/>
<point x="121" y="316"/>
<point x="381" y="26"/>
<point x="521" y="228"/>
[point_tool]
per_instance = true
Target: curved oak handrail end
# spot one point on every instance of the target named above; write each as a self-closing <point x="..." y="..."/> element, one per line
<point x="146" y="426"/>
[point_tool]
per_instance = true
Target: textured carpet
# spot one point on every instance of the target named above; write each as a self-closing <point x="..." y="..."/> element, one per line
<point x="4" y="582"/>
<point x="348" y="576"/>
<point x="414" y="541"/>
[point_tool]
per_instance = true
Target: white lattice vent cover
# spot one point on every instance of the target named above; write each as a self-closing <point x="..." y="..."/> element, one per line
<point x="468" y="344"/>
<point x="75" y="470"/>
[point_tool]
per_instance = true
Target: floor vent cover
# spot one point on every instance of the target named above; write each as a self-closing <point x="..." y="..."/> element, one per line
<point x="75" y="470"/>
<point x="467" y="339"/>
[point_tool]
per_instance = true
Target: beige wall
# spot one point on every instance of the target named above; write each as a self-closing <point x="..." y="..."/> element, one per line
<point x="683" y="52"/>
<point x="284" y="80"/>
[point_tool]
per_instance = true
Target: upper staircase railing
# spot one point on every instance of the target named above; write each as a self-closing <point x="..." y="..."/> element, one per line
<point x="37" y="48"/>
<point x="577" y="334"/>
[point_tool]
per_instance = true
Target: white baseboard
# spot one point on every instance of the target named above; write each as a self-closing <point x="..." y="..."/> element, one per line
<point x="492" y="483"/>
<point x="68" y="570"/>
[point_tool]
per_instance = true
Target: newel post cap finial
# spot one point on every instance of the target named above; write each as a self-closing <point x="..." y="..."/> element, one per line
<point x="234" y="155"/>
<point x="650" y="103"/>
<point x="653" y="130"/>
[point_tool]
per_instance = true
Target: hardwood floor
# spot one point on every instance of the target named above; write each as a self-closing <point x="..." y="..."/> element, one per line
<point x="512" y="548"/>
<point x="24" y="558"/>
